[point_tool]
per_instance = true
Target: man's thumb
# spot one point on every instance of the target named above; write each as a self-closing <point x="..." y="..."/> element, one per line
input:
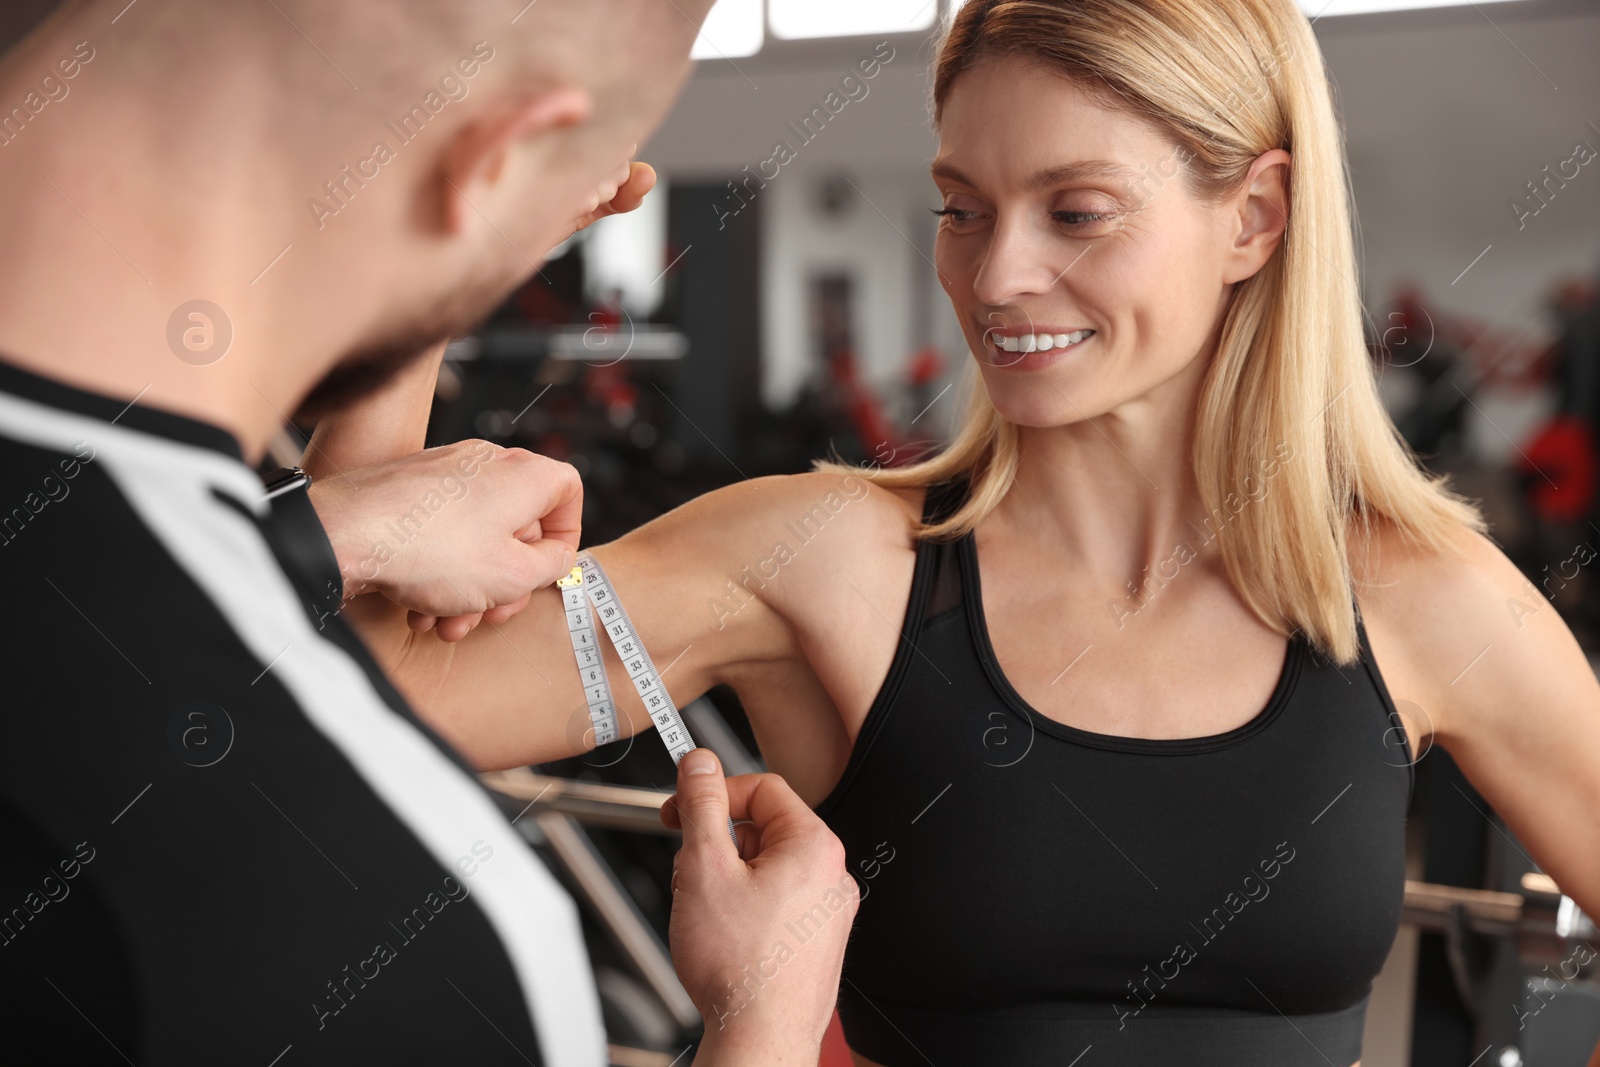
<point x="702" y="803"/>
<point x="544" y="561"/>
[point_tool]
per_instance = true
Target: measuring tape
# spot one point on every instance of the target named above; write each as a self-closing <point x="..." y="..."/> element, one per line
<point x="586" y="591"/>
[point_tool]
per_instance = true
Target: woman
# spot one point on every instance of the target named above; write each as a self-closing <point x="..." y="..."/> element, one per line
<point x="1098" y="698"/>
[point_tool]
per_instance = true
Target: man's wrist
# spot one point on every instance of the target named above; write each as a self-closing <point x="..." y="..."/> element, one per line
<point x="325" y="500"/>
<point x="308" y="551"/>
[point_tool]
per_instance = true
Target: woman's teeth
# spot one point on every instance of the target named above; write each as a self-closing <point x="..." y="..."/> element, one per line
<point x="1038" y="342"/>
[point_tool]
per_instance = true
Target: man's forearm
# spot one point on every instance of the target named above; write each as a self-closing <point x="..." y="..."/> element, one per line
<point x="391" y="423"/>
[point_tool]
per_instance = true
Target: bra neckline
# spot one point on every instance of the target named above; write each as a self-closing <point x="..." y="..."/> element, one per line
<point x="978" y="627"/>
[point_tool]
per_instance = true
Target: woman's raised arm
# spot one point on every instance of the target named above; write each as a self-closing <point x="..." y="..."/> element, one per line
<point x="509" y="692"/>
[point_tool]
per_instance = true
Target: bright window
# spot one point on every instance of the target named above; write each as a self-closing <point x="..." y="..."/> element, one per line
<point x="732" y="29"/>
<point x="847" y="18"/>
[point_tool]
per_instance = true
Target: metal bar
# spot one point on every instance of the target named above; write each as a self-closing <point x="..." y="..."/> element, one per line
<point x="618" y="914"/>
<point x="1430" y="907"/>
<point x="618" y="806"/>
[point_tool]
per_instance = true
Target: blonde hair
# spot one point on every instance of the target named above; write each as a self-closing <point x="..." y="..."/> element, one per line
<point x="1229" y="80"/>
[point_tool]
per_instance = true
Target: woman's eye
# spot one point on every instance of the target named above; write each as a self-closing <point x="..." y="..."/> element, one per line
<point x="1079" y="218"/>
<point x="959" y="216"/>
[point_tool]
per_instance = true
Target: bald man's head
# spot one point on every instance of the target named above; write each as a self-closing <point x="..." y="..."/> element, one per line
<point x="423" y="154"/>
<point x="358" y="58"/>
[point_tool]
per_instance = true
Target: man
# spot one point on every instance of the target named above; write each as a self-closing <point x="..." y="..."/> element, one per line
<point x="226" y="837"/>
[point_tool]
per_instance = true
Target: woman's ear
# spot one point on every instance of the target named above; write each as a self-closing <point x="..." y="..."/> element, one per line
<point x="1263" y="215"/>
<point x="474" y="161"/>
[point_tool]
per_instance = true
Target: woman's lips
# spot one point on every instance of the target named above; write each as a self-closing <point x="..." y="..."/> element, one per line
<point x="1031" y="355"/>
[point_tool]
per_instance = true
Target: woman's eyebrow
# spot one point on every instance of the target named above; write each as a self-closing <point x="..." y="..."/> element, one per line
<point x="941" y="169"/>
<point x="1071" y="172"/>
<point x="1067" y="172"/>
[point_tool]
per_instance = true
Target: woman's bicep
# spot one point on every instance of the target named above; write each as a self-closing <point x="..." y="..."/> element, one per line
<point x="686" y="583"/>
<point x="511" y="695"/>
<point x="501" y="694"/>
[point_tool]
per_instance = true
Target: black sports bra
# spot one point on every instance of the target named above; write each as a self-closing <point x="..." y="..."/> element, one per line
<point x="1036" y="894"/>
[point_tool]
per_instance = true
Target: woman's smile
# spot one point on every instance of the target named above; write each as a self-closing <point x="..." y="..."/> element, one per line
<point x="1031" y="349"/>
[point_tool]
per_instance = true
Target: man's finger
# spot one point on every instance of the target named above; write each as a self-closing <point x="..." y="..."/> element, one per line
<point x="542" y="562"/>
<point x="555" y="499"/>
<point x="750" y="845"/>
<point x="502" y="612"/>
<point x="456" y="627"/>
<point x="631" y="193"/>
<point x="741" y="791"/>
<point x="702" y="803"/>
<point x="419" y="622"/>
<point x="776" y="809"/>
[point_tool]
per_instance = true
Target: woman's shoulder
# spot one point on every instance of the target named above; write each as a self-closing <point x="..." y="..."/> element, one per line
<point x="866" y="514"/>
<point x="1461" y="576"/>
<point x="825" y="510"/>
<point x="1434" y="613"/>
<point x="810" y="544"/>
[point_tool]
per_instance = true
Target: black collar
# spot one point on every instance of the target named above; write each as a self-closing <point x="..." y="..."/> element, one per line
<point x="155" y="421"/>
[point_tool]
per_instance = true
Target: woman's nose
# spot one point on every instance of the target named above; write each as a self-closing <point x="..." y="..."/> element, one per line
<point x="1020" y="260"/>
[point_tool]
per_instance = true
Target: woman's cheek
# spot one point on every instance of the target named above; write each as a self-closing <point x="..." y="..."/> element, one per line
<point x="942" y="256"/>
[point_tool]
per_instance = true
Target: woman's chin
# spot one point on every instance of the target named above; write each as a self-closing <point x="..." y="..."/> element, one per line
<point x="1038" y="400"/>
<point x="1039" y="411"/>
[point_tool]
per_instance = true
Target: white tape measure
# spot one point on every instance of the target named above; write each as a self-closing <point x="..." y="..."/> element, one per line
<point x="587" y="584"/>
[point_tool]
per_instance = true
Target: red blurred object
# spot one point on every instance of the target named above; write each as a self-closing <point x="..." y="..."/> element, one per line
<point x="860" y="406"/>
<point x="537" y="302"/>
<point x="1561" y="456"/>
<point x="835" y="1053"/>
<point x="1502" y="359"/>
<point x="607" y="313"/>
<point x="927" y="363"/>
<point x="607" y="385"/>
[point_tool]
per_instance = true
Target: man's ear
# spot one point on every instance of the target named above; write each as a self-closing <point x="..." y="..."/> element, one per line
<point x="475" y="158"/>
<point x="1263" y="215"/>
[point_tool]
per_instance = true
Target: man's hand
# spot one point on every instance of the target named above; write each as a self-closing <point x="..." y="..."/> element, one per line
<point x="762" y="993"/>
<point x="463" y="532"/>
<point x="623" y="191"/>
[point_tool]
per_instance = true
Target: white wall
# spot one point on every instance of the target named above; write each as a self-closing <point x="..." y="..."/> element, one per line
<point x="877" y="243"/>
<point x="882" y="142"/>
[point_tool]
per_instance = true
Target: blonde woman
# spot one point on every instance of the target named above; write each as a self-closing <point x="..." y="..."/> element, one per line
<point x="1114" y="702"/>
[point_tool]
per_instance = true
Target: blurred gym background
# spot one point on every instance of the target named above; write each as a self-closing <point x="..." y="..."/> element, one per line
<point x="768" y="306"/>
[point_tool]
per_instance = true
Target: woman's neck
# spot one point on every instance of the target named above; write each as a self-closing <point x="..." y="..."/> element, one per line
<point x="1115" y="493"/>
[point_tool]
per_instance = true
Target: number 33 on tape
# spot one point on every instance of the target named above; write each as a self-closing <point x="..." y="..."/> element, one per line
<point x="591" y="602"/>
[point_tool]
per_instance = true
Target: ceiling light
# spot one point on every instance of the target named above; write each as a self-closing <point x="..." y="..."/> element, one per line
<point x="849" y="18"/>
<point x="732" y="29"/>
